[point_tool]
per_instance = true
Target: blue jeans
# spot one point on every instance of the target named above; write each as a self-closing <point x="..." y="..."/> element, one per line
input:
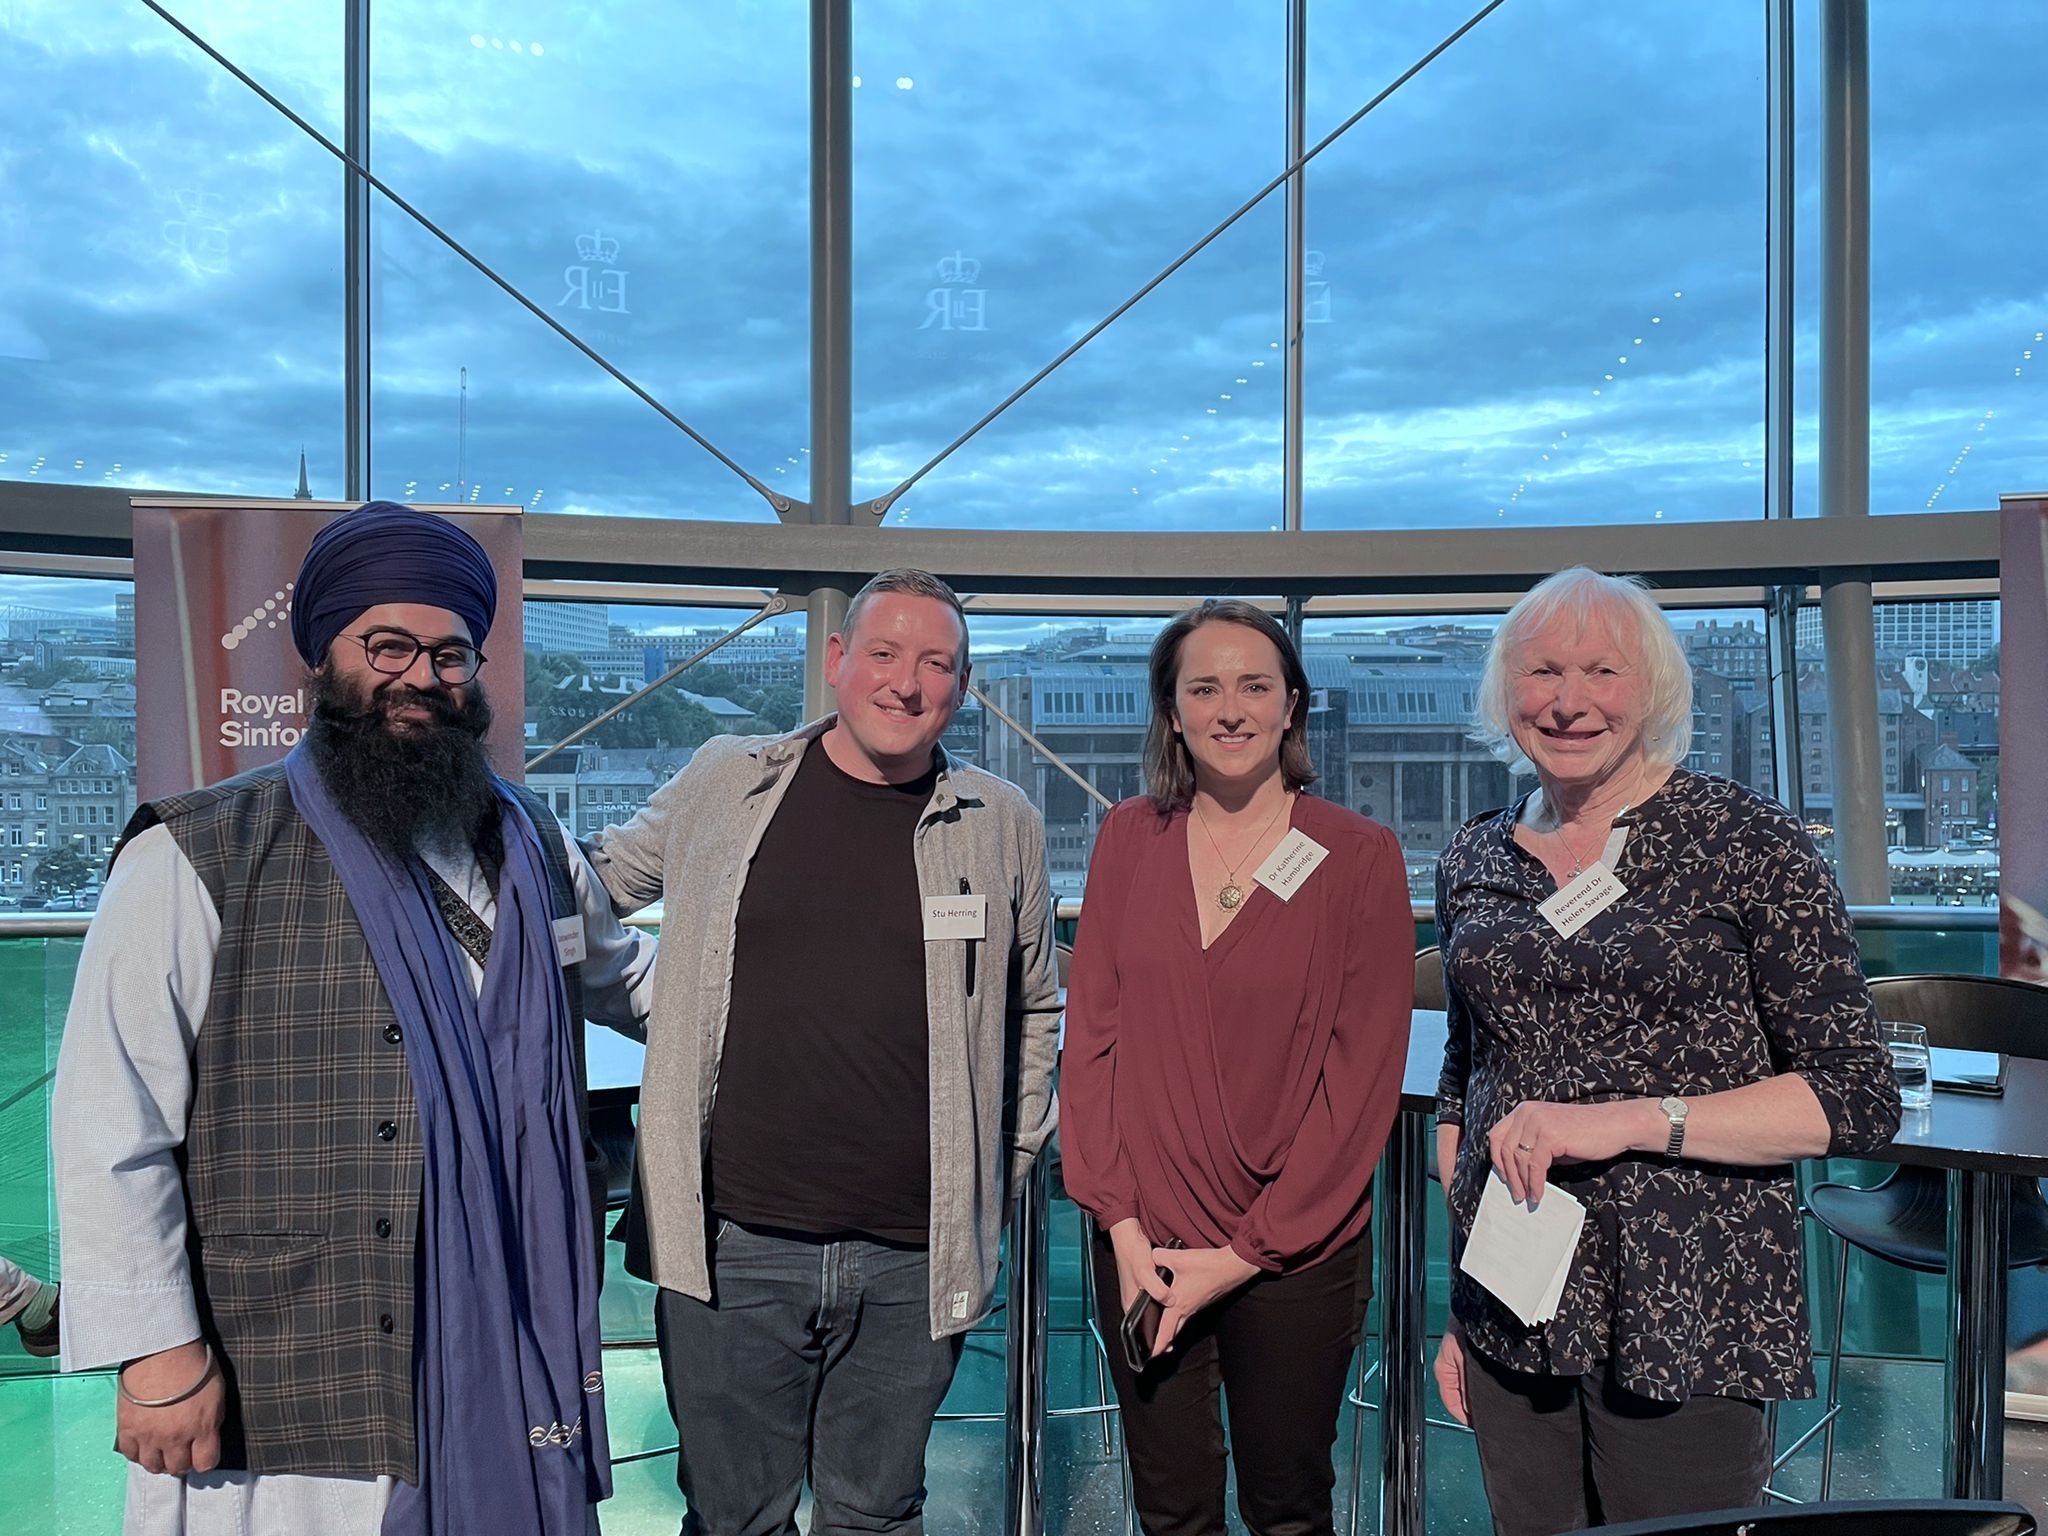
<point x="813" y="1359"/>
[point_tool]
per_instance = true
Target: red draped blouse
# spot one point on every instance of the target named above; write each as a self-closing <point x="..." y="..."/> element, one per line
<point x="1239" y="1096"/>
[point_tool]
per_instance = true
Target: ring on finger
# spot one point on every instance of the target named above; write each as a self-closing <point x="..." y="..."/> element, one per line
<point x="1523" y="1146"/>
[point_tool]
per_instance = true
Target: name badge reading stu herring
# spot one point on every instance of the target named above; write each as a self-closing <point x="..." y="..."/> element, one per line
<point x="1289" y="865"/>
<point x="956" y="917"/>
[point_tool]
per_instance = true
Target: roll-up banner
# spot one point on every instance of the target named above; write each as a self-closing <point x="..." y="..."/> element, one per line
<point x="2023" y="739"/>
<point x="218" y="687"/>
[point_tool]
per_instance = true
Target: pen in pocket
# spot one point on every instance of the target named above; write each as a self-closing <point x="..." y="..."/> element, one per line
<point x="966" y="891"/>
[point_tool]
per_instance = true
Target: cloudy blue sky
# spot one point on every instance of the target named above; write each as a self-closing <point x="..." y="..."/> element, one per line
<point x="1572" y="185"/>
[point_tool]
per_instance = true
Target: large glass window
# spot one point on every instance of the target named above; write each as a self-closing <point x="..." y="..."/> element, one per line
<point x="1019" y="172"/>
<point x="1536" y="272"/>
<point x="1937" y="712"/>
<point x="171" y="314"/>
<point x="1957" y="413"/>
<point x="1390" y="710"/>
<point x="640" y="177"/>
<point x="583" y="659"/>
<point x="67" y="737"/>
<point x="1079" y="686"/>
<point x="1958" y="363"/>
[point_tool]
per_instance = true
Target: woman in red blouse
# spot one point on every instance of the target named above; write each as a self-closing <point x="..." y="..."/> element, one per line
<point x="1237" y="1022"/>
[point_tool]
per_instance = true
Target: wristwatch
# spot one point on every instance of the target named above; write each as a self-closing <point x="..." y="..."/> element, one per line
<point x="1675" y="1110"/>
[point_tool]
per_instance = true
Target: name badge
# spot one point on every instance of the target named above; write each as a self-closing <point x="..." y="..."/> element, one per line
<point x="1288" y="866"/>
<point x="1582" y="899"/>
<point x="956" y="917"/>
<point x="568" y="940"/>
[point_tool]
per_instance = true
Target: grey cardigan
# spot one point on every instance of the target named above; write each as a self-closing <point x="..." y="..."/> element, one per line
<point x="992" y="1050"/>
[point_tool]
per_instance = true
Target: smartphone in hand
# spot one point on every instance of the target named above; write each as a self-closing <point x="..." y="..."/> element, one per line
<point x="1140" y="1329"/>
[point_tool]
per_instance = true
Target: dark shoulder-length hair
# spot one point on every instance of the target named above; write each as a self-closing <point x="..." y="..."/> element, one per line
<point x="1169" y="769"/>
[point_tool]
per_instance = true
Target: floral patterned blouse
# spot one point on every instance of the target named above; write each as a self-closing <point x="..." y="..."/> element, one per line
<point x="1730" y="959"/>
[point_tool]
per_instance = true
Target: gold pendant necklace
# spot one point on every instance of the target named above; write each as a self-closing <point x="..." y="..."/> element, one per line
<point x="1231" y="896"/>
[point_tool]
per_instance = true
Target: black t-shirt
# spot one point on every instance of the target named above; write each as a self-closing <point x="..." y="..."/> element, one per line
<point x="822" y="1119"/>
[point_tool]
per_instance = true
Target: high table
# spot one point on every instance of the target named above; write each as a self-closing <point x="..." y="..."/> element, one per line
<point x="1984" y="1143"/>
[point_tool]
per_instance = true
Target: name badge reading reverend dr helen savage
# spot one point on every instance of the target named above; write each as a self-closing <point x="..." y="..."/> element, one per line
<point x="1582" y="898"/>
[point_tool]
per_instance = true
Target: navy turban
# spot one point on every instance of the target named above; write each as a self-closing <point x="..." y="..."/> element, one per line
<point x="384" y="552"/>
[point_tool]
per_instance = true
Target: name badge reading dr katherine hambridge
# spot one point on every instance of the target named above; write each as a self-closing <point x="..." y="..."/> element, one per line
<point x="1288" y="867"/>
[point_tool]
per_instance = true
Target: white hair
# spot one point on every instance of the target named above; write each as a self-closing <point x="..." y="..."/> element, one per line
<point x="1624" y="606"/>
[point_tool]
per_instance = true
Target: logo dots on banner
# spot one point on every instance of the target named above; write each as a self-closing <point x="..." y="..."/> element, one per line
<point x="275" y="610"/>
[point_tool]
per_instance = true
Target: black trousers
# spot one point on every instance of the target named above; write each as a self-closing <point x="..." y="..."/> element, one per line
<point x="1279" y="1351"/>
<point x="1561" y="1453"/>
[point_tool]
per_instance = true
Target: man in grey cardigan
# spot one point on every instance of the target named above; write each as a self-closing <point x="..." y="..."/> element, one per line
<point x="848" y="1073"/>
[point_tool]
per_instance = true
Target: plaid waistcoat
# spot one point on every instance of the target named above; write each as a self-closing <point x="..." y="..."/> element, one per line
<point x="302" y="1159"/>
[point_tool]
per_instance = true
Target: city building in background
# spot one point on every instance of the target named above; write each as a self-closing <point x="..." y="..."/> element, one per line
<point x="560" y="629"/>
<point x="1388" y="721"/>
<point x="1959" y="630"/>
<point x="67" y="752"/>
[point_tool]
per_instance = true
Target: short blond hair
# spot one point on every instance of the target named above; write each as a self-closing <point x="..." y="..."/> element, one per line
<point x="1624" y="605"/>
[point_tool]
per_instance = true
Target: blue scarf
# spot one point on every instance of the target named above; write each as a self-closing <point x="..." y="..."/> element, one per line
<point x="508" y="1389"/>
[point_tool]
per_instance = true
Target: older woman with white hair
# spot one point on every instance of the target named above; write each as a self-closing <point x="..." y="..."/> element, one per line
<point x="1656" y="1005"/>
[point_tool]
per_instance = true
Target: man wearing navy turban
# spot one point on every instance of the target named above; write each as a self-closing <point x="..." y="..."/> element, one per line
<point x="321" y="1153"/>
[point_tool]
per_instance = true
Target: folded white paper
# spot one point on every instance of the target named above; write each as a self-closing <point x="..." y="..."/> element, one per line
<point x="1523" y="1255"/>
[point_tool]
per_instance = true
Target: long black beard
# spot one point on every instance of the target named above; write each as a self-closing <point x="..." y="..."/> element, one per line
<point x="409" y="786"/>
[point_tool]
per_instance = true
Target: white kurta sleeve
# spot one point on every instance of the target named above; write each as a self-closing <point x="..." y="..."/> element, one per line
<point x="618" y="962"/>
<point x="122" y="1100"/>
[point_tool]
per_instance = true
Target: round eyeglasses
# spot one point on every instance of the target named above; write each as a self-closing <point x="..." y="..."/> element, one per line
<point x="393" y="651"/>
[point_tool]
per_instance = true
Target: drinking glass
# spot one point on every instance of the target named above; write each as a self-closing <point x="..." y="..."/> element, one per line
<point x="1911" y="1063"/>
